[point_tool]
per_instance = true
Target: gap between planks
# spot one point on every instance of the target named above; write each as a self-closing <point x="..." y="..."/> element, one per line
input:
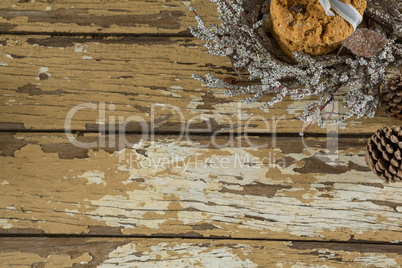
<point x="88" y="34"/>
<point x="196" y="134"/>
<point x="190" y="238"/>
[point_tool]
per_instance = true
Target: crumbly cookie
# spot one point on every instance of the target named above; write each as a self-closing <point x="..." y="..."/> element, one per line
<point x="302" y="25"/>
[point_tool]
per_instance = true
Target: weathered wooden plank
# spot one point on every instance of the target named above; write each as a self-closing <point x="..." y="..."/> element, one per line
<point x="202" y="186"/>
<point x="97" y="16"/>
<point x="109" y="252"/>
<point x="45" y="78"/>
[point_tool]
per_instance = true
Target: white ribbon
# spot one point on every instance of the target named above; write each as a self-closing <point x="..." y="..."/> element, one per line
<point x="348" y="12"/>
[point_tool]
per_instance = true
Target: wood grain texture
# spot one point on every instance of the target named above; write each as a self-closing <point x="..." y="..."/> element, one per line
<point x="145" y="79"/>
<point x="166" y="187"/>
<point x="99" y="17"/>
<point x="109" y="252"/>
<point x="167" y="197"/>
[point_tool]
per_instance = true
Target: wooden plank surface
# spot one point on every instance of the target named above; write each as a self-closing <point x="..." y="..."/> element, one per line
<point x="44" y="78"/>
<point x="160" y="200"/>
<point x="99" y="17"/>
<point x="109" y="252"/>
<point x="166" y="187"/>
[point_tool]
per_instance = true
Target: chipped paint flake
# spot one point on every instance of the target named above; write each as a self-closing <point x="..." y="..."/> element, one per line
<point x="43" y="70"/>
<point x="5" y="224"/>
<point x="376" y="261"/>
<point x="72" y="212"/>
<point x="111" y="208"/>
<point x="186" y="255"/>
<point x="176" y="88"/>
<point x="80" y="48"/>
<point x="94" y="177"/>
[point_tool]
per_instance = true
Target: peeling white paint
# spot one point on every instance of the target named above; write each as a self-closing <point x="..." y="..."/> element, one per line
<point x="188" y="255"/>
<point x="80" y="48"/>
<point x="5" y="224"/>
<point x="176" y="88"/>
<point x="111" y="209"/>
<point x="43" y="70"/>
<point x="131" y="179"/>
<point x="170" y="93"/>
<point x="10" y="102"/>
<point x="376" y="260"/>
<point x="5" y="183"/>
<point x="3" y="64"/>
<point x="190" y="176"/>
<point x="298" y="264"/>
<point x="72" y="212"/>
<point x="94" y="177"/>
<point x="186" y="3"/>
<point x="87" y="58"/>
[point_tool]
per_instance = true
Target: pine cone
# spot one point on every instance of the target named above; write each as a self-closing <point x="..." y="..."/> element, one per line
<point x="391" y="97"/>
<point x="384" y="153"/>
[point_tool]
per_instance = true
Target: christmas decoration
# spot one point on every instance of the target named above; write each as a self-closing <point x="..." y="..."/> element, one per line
<point x="325" y="79"/>
<point x="365" y="43"/>
<point x="391" y="97"/>
<point x="384" y="154"/>
<point x="346" y="9"/>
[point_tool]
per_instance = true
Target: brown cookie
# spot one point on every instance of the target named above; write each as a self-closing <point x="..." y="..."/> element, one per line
<point x="302" y="25"/>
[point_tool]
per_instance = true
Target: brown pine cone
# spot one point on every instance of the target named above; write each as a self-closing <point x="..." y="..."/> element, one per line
<point x="384" y="153"/>
<point x="391" y="97"/>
